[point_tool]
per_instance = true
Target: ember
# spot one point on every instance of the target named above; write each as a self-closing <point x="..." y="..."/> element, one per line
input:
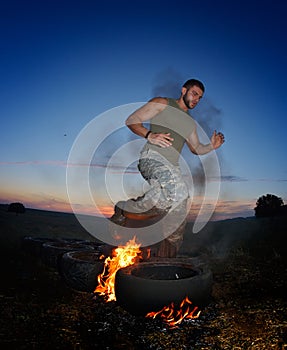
<point x="173" y="316"/>
<point x="122" y="256"/>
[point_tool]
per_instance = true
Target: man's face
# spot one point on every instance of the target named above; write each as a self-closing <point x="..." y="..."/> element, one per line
<point x="192" y="96"/>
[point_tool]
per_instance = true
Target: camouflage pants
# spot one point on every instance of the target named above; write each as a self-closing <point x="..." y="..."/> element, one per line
<point x="168" y="193"/>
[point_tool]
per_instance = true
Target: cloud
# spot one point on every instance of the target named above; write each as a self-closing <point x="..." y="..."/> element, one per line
<point x="37" y="162"/>
<point x="66" y="164"/>
<point x="226" y="209"/>
<point x="271" y="180"/>
<point x="119" y="169"/>
<point x="232" y="178"/>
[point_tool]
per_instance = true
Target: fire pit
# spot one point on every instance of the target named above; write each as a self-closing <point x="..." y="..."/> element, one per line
<point x="150" y="286"/>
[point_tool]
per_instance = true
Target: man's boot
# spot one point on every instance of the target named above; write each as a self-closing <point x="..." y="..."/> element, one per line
<point x="118" y="217"/>
<point x="166" y="250"/>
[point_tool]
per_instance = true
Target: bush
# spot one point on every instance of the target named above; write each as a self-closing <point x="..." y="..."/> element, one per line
<point x="268" y="205"/>
<point x="16" y="208"/>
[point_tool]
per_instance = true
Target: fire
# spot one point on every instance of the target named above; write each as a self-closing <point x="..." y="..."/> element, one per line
<point x="127" y="255"/>
<point x="122" y="256"/>
<point x="173" y="316"/>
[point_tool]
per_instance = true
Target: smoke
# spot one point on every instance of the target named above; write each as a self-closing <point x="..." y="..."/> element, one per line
<point x="167" y="83"/>
<point x="208" y="116"/>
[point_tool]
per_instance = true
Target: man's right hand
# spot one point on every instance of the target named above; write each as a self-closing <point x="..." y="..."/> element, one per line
<point x="161" y="140"/>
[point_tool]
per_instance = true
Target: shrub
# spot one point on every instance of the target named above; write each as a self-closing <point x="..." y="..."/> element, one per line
<point x="268" y="205"/>
<point x="16" y="208"/>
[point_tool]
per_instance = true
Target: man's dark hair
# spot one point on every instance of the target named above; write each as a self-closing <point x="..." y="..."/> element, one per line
<point x="194" y="82"/>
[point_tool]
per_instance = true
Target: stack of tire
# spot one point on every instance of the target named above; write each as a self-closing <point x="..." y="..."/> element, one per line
<point x="140" y="288"/>
<point x="78" y="262"/>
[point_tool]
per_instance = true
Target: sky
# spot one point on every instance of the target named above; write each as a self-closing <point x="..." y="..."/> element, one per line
<point x="68" y="66"/>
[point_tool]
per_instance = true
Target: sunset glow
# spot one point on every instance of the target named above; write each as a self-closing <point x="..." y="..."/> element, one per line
<point x="65" y="66"/>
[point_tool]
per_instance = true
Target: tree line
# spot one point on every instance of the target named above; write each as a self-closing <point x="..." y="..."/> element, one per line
<point x="266" y="206"/>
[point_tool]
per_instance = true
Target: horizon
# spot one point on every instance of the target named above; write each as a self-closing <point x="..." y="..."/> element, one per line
<point x="68" y="65"/>
<point x="190" y="218"/>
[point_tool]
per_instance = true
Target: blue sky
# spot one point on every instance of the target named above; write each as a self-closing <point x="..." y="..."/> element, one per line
<point x="63" y="63"/>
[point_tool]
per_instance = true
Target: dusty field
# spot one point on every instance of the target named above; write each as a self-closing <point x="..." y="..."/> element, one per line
<point x="248" y="309"/>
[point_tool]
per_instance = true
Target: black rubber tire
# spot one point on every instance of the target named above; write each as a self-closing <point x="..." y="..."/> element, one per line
<point x="52" y="252"/>
<point x="79" y="269"/>
<point x="105" y="249"/>
<point x="76" y="240"/>
<point x="33" y="245"/>
<point x="149" y="286"/>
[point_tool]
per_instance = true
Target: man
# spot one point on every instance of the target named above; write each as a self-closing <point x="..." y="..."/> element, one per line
<point x="170" y="128"/>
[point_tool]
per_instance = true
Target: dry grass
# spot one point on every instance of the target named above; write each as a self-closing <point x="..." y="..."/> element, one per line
<point x="248" y="308"/>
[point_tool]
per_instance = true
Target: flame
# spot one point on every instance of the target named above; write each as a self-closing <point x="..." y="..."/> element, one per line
<point x="122" y="256"/>
<point x="127" y="255"/>
<point x="173" y="316"/>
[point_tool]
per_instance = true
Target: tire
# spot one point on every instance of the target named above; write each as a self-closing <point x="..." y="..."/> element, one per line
<point x="105" y="249"/>
<point x="75" y="240"/>
<point x="149" y="286"/>
<point x="33" y="245"/>
<point x="79" y="269"/>
<point x="52" y="252"/>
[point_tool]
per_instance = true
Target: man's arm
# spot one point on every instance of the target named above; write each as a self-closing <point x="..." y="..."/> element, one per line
<point x="145" y="113"/>
<point x="196" y="147"/>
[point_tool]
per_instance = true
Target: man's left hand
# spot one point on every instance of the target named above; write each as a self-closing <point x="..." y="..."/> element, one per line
<point x="217" y="139"/>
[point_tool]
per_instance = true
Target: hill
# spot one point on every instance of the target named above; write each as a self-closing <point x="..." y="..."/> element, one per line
<point x="217" y="238"/>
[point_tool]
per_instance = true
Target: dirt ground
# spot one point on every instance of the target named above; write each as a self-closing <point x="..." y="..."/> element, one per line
<point x="248" y="308"/>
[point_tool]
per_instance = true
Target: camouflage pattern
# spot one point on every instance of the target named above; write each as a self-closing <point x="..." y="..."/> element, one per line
<point x="168" y="193"/>
<point x="167" y="187"/>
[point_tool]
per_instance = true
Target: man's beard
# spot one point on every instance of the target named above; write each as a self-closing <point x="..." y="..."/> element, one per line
<point x="186" y="101"/>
